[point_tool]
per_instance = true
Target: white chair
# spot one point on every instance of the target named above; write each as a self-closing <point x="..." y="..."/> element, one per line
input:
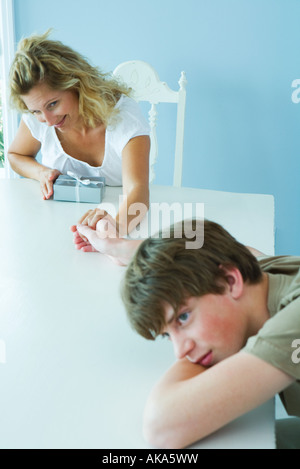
<point x="146" y="86"/>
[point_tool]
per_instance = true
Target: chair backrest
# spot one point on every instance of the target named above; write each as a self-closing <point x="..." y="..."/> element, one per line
<point x="146" y="86"/>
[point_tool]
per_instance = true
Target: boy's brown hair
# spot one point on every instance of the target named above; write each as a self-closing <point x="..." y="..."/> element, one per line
<point x="163" y="272"/>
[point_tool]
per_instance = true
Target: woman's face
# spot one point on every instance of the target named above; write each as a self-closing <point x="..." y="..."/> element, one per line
<point x="59" y="109"/>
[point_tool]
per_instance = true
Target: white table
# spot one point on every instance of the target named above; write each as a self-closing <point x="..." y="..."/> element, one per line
<point x="73" y="373"/>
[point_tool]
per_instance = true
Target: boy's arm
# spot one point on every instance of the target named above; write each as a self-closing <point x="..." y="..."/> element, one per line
<point x="255" y="252"/>
<point x="187" y="405"/>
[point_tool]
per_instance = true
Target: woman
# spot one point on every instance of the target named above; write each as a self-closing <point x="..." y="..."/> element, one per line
<point x="82" y="121"/>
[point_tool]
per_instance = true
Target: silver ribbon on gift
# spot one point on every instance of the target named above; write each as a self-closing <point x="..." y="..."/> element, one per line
<point x="85" y="182"/>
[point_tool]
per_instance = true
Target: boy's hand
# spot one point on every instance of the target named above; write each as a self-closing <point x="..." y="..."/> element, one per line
<point x="98" y="220"/>
<point x="105" y="240"/>
<point x="81" y="242"/>
<point x="89" y="240"/>
<point x="91" y="235"/>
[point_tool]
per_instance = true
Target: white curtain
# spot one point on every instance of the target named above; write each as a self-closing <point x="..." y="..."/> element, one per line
<point x="7" y="50"/>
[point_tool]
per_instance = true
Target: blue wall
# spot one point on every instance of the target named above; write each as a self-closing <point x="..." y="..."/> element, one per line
<point x="240" y="57"/>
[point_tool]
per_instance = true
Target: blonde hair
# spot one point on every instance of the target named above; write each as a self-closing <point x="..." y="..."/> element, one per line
<point x="39" y="59"/>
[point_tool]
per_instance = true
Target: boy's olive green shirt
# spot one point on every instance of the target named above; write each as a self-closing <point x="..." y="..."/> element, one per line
<point x="278" y="341"/>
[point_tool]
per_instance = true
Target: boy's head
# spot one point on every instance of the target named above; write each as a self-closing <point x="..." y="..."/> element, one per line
<point x="163" y="272"/>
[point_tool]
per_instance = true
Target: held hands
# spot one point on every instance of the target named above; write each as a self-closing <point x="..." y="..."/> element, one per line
<point x="93" y="228"/>
<point x="102" y="236"/>
<point x="47" y="177"/>
<point x="96" y="219"/>
<point x="99" y="219"/>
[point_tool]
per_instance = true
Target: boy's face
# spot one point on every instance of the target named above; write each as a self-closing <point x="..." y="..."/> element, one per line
<point x="207" y="329"/>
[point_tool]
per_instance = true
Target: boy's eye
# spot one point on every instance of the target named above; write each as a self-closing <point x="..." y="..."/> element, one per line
<point x="183" y="317"/>
<point x="165" y="335"/>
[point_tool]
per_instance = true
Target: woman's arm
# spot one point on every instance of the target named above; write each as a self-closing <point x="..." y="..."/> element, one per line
<point x="135" y="175"/>
<point x="187" y="404"/>
<point x="21" y="155"/>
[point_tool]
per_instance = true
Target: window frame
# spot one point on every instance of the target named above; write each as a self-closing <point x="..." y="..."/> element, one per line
<point x="7" y="38"/>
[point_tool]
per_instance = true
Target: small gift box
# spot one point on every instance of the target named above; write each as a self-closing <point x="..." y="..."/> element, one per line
<point x="70" y="188"/>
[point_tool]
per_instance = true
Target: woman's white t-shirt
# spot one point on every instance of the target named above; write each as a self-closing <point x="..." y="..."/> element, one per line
<point x="130" y="123"/>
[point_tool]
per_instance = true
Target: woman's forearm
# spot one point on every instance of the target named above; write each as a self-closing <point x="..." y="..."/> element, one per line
<point x="28" y="167"/>
<point x="133" y="209"/>
<point x="25" y="166"/>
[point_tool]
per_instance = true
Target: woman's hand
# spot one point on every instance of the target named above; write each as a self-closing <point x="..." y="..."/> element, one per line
<point x="106" y="223"/>
<point x="47" y="177"/>
<point x="22" y="157"/>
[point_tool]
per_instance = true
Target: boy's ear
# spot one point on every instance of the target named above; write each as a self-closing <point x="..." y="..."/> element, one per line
<point x="234" y="281"/>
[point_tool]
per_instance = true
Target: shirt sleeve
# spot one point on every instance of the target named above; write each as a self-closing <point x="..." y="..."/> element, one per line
<point x="36" y="128"/>
<point x="278" y="341"/>
<point x="130" y="123"/>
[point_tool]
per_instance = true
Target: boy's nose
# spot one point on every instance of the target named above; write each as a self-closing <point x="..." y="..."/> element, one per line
<point x="182" y="347"/>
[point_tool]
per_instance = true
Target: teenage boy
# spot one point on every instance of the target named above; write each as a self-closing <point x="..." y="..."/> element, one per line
<point x="226" y="313"/>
